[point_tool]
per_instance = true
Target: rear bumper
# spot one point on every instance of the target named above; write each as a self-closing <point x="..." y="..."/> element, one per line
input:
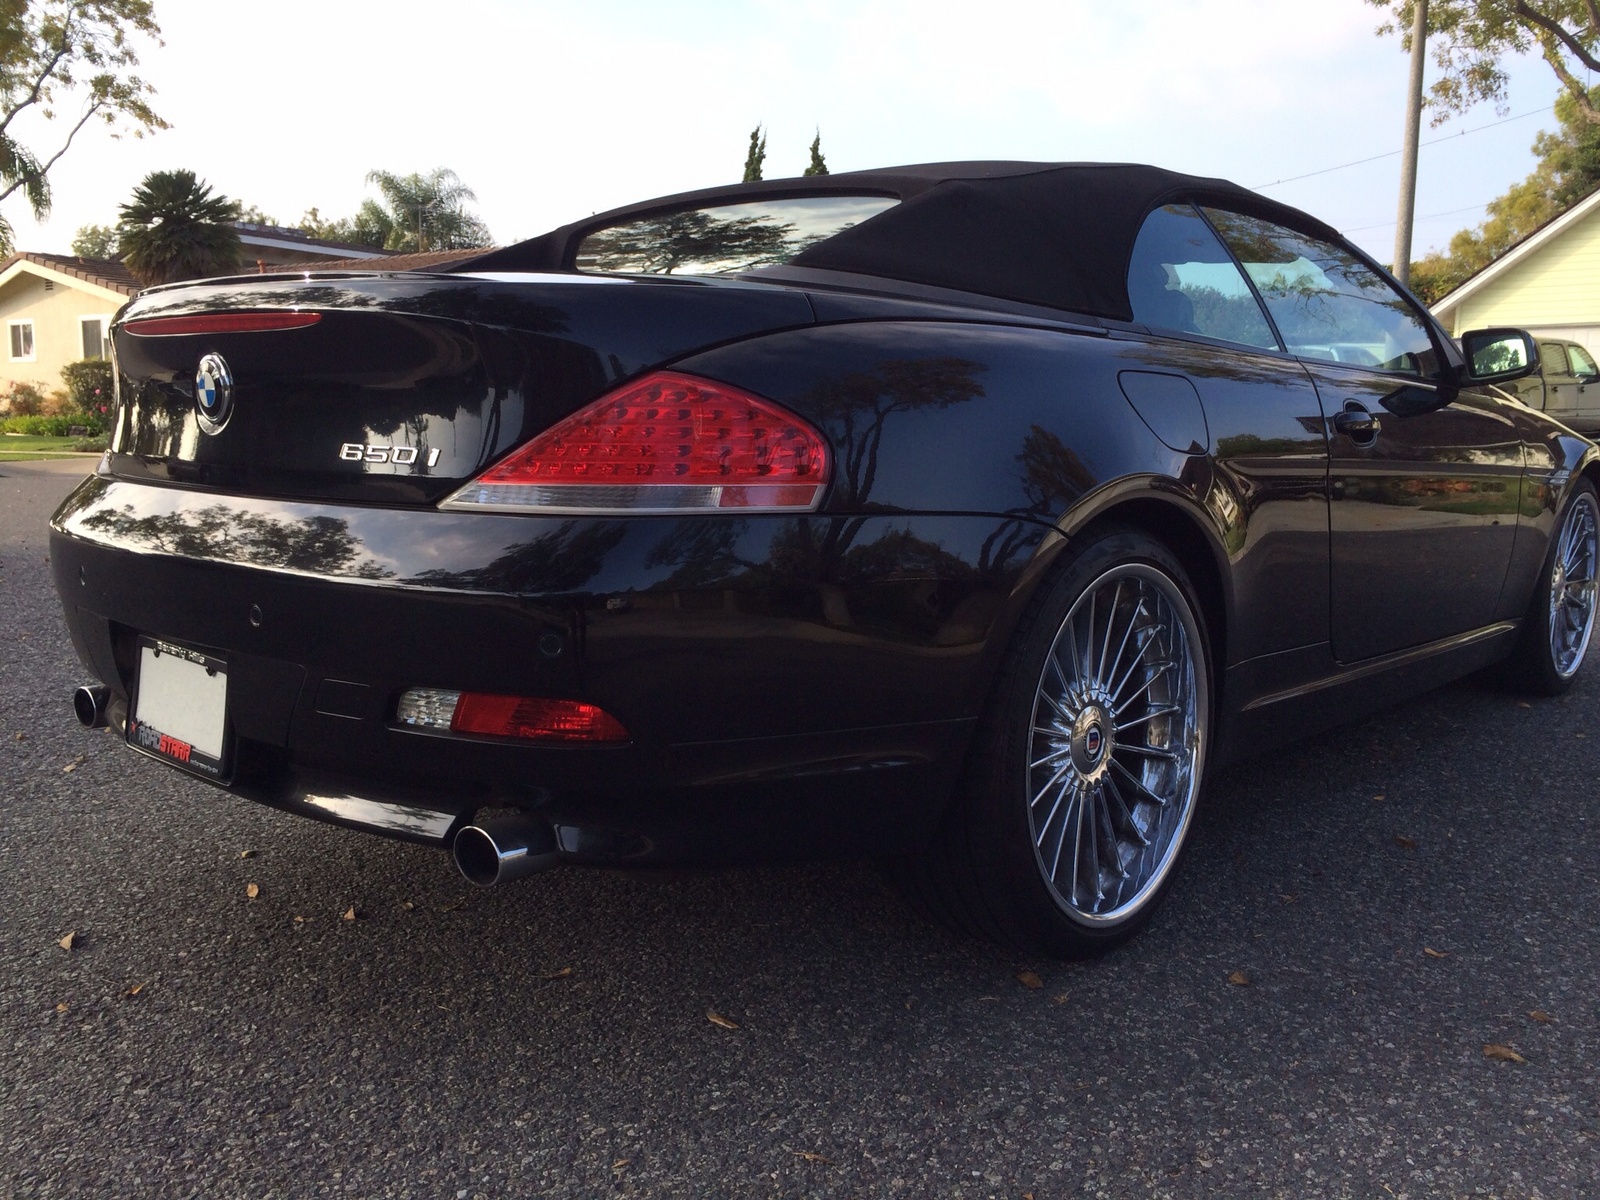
<point x="794" y="686"/>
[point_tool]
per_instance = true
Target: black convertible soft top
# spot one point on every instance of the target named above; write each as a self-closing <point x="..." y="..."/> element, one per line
<point x="1055" y="234"/>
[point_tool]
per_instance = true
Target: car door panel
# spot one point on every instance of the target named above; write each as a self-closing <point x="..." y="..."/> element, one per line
<point x="1423" y="511"/>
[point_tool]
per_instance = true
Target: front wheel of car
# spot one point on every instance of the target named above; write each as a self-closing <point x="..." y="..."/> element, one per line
<point x="1560" y="622"/>
<point x="1087" y="768"/>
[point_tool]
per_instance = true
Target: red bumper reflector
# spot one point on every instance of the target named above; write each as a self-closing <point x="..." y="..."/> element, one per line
<point x="232" y="322"/>
<point x="536" y="718"/>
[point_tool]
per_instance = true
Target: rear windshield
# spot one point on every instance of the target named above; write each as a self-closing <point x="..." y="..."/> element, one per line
<point x="734" y="237"/>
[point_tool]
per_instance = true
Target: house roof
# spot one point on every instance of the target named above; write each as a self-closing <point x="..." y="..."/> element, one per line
<point x="106" y="274"/>
<point x="279" y="238"/>
<point x="1526" y="248"/>
<point x="424" y="261"/>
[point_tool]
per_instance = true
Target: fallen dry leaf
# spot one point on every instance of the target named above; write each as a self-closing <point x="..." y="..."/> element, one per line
<point x="1541" y="1016"/>
<point x="252" y="890"/>
<point x="22" y="737"/>
<point x="1502" y="1053"/>
<point x="350" y="913"/>
<point x="717" y="1018"/>
<point x="1404" y="842"/>
<point x="1523" y="704"/>
<point x="61" y="1007"/>
<point x="68" y="942"/>
<point x="810" y="1157"/>
<point x="74" y="764"/>
<point x="1030" y="979"/>
<point x="407" y="905"/>
<point x="620" y="1163"/>
<point x="247" y="854"/>
<point x="1432" y="953"/>
<point x="1060" y="998"/>
<point x="1379" y="796"/>
<point x="1288" y="897"/>
<point x="134" y="990"/>
<point x="453" y="905"/>
<point x="299" y="920"/>
<point x="561" y="974"/>
<point x="1239" y="979"/>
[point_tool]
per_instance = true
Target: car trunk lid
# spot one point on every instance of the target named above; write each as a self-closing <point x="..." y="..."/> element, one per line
<point x="403" y="387"/>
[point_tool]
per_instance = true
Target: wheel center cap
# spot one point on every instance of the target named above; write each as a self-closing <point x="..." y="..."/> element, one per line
<point x="1091" y="740"/>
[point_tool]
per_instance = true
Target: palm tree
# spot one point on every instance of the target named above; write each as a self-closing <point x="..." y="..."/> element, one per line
<point x="175" y="228"/>
<point x="425" y="212"/>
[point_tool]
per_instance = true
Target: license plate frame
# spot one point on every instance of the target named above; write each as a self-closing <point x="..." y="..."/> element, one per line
<point x="178" y="712"/>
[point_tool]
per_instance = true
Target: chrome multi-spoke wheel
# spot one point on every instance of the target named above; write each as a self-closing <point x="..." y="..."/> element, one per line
<point x="1086" y="769"/>
<point x="1117" y="743"/>
<point x="1572" y="585"/>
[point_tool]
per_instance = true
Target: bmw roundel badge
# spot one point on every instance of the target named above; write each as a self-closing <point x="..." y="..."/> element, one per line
<point x="213" y="393"/>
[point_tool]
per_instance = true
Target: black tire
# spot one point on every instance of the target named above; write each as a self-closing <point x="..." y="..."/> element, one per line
<point x="1556" y="631"/>
<point x="1000" y="866"/>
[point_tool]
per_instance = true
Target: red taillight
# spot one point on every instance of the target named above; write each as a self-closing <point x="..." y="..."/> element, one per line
<point x="536" y="718"/>
<point x="664" y="443"/>
<point x="232" y="322"/>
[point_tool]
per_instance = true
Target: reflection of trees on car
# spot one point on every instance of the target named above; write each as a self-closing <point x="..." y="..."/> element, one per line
<point x="323" y="545"/>
<point x="698" y="240"/>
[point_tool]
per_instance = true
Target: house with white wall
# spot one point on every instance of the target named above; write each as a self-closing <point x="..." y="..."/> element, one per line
<point x="1548" y="284"/>
<point x="56" y="309"/>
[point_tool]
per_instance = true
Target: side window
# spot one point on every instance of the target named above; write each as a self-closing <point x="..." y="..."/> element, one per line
<point x="1582" y="365"/>
<point x="1181" y="277"/>
<point x="1553" y="359"/>
<point x="1326" y="302"/>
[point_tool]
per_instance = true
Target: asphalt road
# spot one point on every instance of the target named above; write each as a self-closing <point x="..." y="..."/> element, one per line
<point x="551" y="1038"/>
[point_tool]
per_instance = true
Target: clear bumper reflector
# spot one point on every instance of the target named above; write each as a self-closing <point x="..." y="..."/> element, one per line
<point x="533" y="718"/>
<point x="427" y="708"/>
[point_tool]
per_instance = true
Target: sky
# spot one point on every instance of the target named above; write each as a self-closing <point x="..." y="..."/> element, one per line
<point x="552" y="110"/>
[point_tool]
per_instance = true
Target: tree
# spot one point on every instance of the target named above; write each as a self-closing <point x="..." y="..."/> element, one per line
<point x="1567" y="171"/>
<point x="176" y="228"/>
<point x="422" y="212"/>
<point x="818" y="165"/>
<point x="249" y="214"/>
<point x="95" y="241"/>
<point x="61" y="54"/>
<point x="370" y="226"/>
<point x="1470" y="38"/>
<point x="756" y="156"/>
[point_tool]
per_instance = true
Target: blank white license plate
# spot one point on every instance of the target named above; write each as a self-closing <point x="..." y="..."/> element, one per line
<point x="180" y="706"/>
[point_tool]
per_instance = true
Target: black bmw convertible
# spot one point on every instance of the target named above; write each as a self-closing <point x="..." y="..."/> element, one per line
<point x="964" y="516"/>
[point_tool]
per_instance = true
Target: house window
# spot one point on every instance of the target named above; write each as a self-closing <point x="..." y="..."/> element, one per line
<point x="96" y="343"/>
<point x="22" y="341"/>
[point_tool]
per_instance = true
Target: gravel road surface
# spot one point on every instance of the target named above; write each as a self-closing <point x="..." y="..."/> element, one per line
<point x="1388" y="899"/>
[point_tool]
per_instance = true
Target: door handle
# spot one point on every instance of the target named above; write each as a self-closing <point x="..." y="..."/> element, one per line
<point x="1357" y="424"/>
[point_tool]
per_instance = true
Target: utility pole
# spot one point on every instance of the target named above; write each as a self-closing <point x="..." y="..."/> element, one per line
<point x="1408" y="153"/>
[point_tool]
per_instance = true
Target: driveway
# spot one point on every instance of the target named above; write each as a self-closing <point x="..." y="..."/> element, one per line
<point x="1358" y="919"/>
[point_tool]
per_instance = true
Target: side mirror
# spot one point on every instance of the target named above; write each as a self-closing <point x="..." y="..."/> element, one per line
<point x="1499" y="355"/>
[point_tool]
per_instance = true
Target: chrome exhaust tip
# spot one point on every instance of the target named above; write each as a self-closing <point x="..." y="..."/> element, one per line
<point x="502" y="848"/>
<point x="89" y="704"/>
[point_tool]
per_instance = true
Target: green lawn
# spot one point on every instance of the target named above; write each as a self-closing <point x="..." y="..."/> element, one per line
<point x="19" y="447"/>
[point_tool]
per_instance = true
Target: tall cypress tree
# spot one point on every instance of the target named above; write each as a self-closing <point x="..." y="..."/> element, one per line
<point x="756" y="156"/>
<point x="819" y="165"/>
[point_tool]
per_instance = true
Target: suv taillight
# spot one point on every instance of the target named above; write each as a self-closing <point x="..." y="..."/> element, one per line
<point x="666" y="443"/>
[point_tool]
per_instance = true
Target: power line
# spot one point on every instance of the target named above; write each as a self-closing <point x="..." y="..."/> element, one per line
<point x="1393" y="153"/>
<point x="1428" y="217"/>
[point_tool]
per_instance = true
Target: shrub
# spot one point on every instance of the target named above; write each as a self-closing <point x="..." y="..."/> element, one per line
<point x="56" y="426"/>
<point x="25" y="400"/>
<point x="59" y="404"/>
<point x="88" y="383"/>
